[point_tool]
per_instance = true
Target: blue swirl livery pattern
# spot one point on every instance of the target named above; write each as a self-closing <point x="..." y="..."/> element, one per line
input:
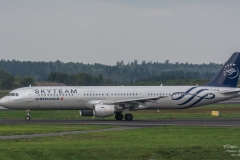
<point x="191" y="96"/>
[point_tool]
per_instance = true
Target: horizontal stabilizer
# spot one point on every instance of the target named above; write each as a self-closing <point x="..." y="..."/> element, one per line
<point x="231" y="91"/>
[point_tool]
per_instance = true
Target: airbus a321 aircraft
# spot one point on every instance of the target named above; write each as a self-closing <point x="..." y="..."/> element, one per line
<point x="103" y="101"/>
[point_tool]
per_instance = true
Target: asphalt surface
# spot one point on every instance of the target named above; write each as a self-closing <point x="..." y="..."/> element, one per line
<point x="229" y="122"/>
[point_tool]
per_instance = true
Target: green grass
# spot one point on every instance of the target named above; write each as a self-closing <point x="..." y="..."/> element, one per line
<point x="226" y="111"/>
<point x="173" y="142"/>
<point x="16" y="129"/>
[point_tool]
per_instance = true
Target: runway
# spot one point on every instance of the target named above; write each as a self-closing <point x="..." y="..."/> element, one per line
<point x="216" y="122"/>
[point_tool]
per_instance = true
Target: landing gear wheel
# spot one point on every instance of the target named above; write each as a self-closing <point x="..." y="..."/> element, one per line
<point x="27" y="115"/>
<point x="27" y="118"/>
<point x="128" y="117"/>
<point x="118" y="116"/>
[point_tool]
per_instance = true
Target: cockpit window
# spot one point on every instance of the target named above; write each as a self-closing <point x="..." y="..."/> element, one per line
<point x="12" y="94"/>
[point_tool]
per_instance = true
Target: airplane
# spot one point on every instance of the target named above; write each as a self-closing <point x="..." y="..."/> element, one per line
<point x="104" y="101"/>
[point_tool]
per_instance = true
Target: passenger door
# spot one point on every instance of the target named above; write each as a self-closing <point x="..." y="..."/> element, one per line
<point x="28" y="94"/>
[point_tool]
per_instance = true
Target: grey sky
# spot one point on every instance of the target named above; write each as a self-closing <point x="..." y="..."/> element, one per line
<point x="109" y="30"/>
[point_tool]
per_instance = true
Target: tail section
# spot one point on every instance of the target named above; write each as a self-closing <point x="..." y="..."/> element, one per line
<point x="229" y="74"/>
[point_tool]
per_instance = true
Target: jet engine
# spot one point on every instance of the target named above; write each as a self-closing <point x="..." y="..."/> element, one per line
<point x="101" y="110"/>
<point x="86" y="112"/>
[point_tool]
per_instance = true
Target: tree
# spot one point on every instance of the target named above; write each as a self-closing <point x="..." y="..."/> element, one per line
<point x="26" y="81"/>
<point x="8" y="82"/>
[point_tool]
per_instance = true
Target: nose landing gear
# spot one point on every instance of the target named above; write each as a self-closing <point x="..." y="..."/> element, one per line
<point x="27" y="115"/>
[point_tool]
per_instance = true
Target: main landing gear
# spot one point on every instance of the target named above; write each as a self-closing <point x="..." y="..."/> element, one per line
<point x="118" y="116"/>
<point x="127" y="117"/>
<point x="27" y="115"/>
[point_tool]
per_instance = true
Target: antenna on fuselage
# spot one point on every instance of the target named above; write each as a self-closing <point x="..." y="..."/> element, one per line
<point x="161" y="85"/>
<point x="30" y="85"/>
<point x="196" y="84"/>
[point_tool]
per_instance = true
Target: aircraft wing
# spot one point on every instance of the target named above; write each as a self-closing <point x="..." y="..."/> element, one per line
<point x="142" y="100"/>
<point x="231" y="91"/>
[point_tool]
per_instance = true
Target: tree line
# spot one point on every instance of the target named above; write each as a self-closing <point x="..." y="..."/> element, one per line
<point x="8" y="81"/>
<point x="166" y="77"/>
<point x="119" y="73"/>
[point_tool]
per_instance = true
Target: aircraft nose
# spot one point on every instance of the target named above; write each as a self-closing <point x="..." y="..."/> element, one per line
<point x="3" y="102"/>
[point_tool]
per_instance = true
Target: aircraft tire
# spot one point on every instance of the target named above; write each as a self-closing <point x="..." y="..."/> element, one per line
<point x="118" y="116"/>
<point x="128" y="117"/>
<point x="27" y="118"/>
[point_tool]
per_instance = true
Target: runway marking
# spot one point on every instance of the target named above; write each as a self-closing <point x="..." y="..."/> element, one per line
<point x="66" y="133"/>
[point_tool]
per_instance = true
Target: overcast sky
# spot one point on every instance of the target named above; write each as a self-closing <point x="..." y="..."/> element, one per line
<point x="107" y="31"/>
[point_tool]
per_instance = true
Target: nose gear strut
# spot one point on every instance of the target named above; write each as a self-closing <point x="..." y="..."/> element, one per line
<point x="28" y="115"/>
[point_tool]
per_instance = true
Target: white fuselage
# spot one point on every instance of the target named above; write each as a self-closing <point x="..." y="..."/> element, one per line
<point x="78" y="98"/>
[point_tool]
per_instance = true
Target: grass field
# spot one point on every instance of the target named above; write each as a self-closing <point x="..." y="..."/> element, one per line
<point x="155" y="143"/>
<point x="16" y="129"/>
<point x="158" y="143"/>
<point x="226" y="111"/>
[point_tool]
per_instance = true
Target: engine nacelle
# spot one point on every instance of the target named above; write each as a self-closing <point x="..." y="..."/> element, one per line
<point x="103" y="110"/>
<point x="86" y="112"/>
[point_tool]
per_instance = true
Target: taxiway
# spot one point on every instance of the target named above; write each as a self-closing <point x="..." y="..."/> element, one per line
<point x="217" y="122"/>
